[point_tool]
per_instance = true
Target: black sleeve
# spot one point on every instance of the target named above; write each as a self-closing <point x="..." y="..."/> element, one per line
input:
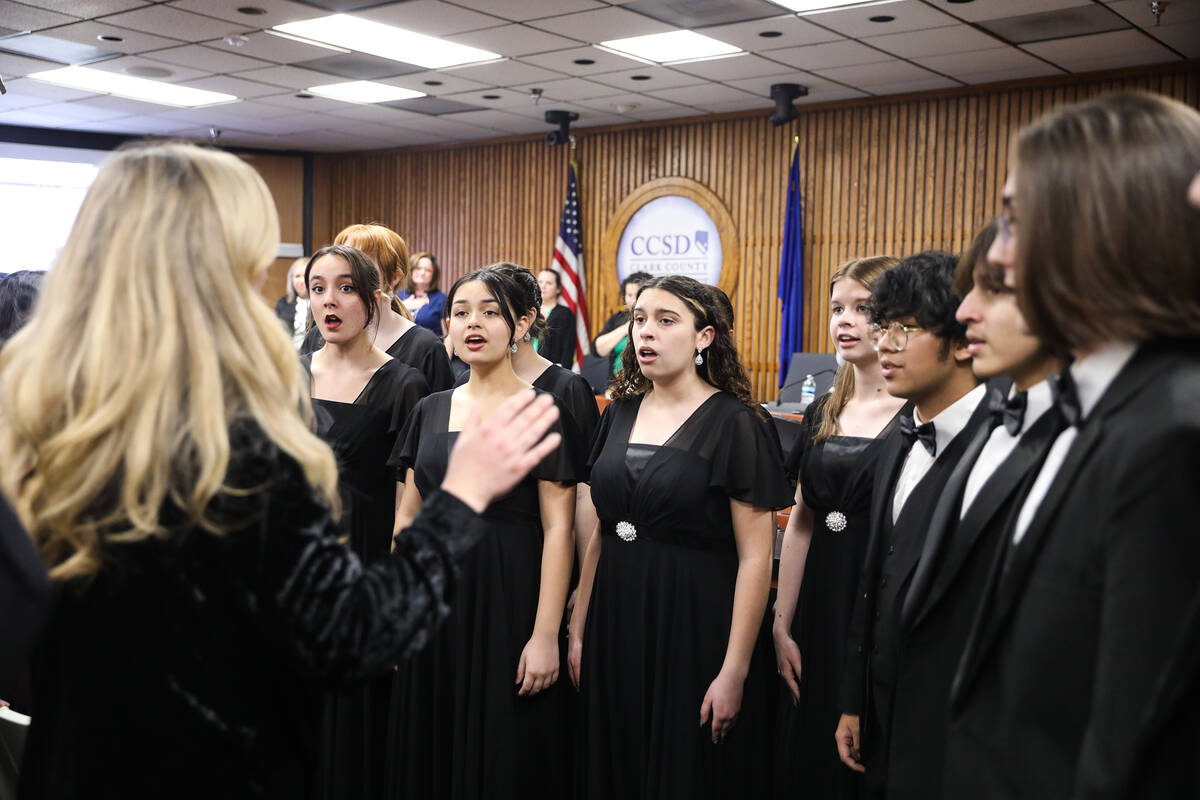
<point x="435" y="364"/>
<point x="568" y="462"/>
<point x="343" y="619"/>
<point x="408" y="391"/>
<point x="560" y="337"/>
<point x="313" y="340"/>
<point x="408" y="441"/>
<point x="24" y="598"/>
<point x="580" y="400"/>
<point x="747" y="465"/>
<point x="615" y="321"/>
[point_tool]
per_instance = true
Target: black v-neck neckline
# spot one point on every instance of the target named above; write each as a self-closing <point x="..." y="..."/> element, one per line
<point x="675" y="433"/>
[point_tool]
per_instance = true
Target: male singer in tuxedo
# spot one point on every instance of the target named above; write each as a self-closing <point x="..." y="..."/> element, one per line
<point x="924" y="357"/>
<point x="968" y="518"/>
<point x="1084" y="611"/>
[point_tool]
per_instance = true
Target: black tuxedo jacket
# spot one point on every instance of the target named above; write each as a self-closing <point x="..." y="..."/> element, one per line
<point x="893" y="550"/>
<point x="941" y="604"/>
<point x="1080" y="617"/>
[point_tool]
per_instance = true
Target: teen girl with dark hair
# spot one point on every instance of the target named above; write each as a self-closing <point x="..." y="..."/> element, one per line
<point x="481" y="714"/>
<point x="361" y="399"/>
<point x="674" y="588"/>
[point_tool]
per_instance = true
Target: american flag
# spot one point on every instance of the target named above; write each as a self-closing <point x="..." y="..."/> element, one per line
<point x="568" y="263"/>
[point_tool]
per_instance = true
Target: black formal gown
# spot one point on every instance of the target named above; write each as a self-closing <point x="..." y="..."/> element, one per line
<point x="362" y="435"/>
<point x="457" y="727"/>
<point x="658" y="621"/>
<point x="191" y="666"/>
<point x="558" y="342"/>
<point x="837" y="476"/>
<point x="416" y="347"/>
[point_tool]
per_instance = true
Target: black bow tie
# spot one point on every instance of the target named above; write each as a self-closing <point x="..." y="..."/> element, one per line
<point x="1065" y="394"/>
<point x="1009" y="411"/>
<point x="922" y="433"/>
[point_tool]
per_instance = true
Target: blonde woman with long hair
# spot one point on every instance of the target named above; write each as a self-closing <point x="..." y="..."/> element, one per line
<point x="156" y="451"/>
<point x="825" y="542"/>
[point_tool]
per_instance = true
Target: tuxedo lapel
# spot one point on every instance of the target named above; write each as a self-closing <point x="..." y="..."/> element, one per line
<point x="941" y="525"/>
<point x="891" y="458"/>
<point x="996" y="495"/>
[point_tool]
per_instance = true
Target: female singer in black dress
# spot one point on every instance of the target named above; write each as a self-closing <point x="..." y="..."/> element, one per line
<point x="361" y="399"/>
<point x="557" y="341"/>
<point x="674" y="589"/>
<point x="395" y="332"/>
<point x="825" y="543"/>
<point x="163" y="467"/>
<point x="481" y="713"/>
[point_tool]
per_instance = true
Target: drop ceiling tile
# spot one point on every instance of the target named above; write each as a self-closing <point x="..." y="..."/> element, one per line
<point x="15" y="101"/>
<point x="794" y="31"/>
<point x="430" y="17"/>
<point x="513" y="40"/>
<point x="730" y="69"/>
<point x="384" y="115"/>
<point x="644" y="102"/>
<point x="447" y="82"/>
<point x="588" y="113"/>
<point x="876" y="74"/>
<point x="907" y="87"/>
<point x="21" y="17"/>
<point x="1138" y="12"/>
<point x="1103" y="51"/>
<point x="570" y="89"/>
<point x="85" y="9"/>
<point x="505" y="73"/>
<point x="47" y="91"/>
<point x="35" y="117"/>
<point x="269" y="47"/>
<point x="234" y="86"/>
<point x="177" y="24"/>
<point x="523" y="11"/>
<point x="207" y="59"/>
<point x="979" y="10"/>
<point x="672" y="111"/>
<point x="134" y="127"/>
<point x="660" y="78"/>
<point x="1035" y="70"/>
<point x="85" y="112"/>
<point x="1185" y="38"/>
<point x="500" y="121"/>
<point x="702" y="96"/>
<point x="602" y="25"/>
<point x="693" y="15"/>
<point x="13" y="66"/>
<point x="831" y="95"/>
<point x="125" y="63"/>
<point x="122" y="106"/>
<point x="825" y="56"/>
<point x="762" y="86"/>
<point x="991" y="60"/>
<point x="934" y="41"/>
<point x="495" y="98"/>
<point x="133" y="41"/>
<point x="333" y="142"/>
<point x="51" y="48"/>
<point x="358" y="66"/>
<point x="564" y="61"/>
<point x="432" y="106"/>
<point x="910" y="15"/>
<point x="278" y="11"/>
<point x="744" y="104"/>
<point x="290" y="77"/>
<point x="311" y="105"/>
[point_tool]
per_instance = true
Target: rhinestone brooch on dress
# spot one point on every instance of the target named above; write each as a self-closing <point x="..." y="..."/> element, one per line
<point x="835" y="521"/>
<point x="626" y="531"/>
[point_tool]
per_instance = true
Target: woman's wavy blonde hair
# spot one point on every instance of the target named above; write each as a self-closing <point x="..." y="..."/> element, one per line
<point x="112" y="409"/>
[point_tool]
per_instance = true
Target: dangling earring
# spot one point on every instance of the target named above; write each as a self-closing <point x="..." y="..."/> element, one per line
<point x="513" y="348"/>
<point x="525" y="338"/>
<point x="699" y="358"/>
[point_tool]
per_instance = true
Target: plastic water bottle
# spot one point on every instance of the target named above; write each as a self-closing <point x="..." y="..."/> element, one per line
<point x="808" y="391"/>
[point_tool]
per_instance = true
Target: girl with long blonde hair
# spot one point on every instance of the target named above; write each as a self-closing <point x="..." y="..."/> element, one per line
<point x="825" y="541"/>
<point x="156" y="451"/>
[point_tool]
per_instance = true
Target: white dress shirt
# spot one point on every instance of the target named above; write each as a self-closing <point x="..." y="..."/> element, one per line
<point x="946" y="425"/>
<point x="1001" y="443"/>
<point x="300" y="322"/>
<point x="1092" y="375"/>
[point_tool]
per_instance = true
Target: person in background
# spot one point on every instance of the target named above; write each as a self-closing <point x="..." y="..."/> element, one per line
<point x="1086" y="608"/>
<point x="395" y="333"/>
<point x="612" y="339"/>
<point x="481" y="713"/>
<point x="423" y="296"/>
<point x="292" y="308"/>
<point x="361" y="398"/>
<point x="825" y="542"/>
<point x="165" y="470"/>
<point x="924" y="358"/>
<point x="665" y="632"/>
<point x="557" y="342"/>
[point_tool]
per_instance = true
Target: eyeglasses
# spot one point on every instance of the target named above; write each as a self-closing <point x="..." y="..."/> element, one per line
<point x="897" y="333"/>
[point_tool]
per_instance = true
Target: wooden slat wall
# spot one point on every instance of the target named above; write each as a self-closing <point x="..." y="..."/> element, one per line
<point x="885" y="175"/>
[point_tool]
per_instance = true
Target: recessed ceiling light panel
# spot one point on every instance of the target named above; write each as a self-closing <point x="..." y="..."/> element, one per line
<point x="671" y="48"/>
<point x="817" y="6"/>
<point x="363" y="92"/>
<point x="102" y="82"/>
<point x="386" y="41"/>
